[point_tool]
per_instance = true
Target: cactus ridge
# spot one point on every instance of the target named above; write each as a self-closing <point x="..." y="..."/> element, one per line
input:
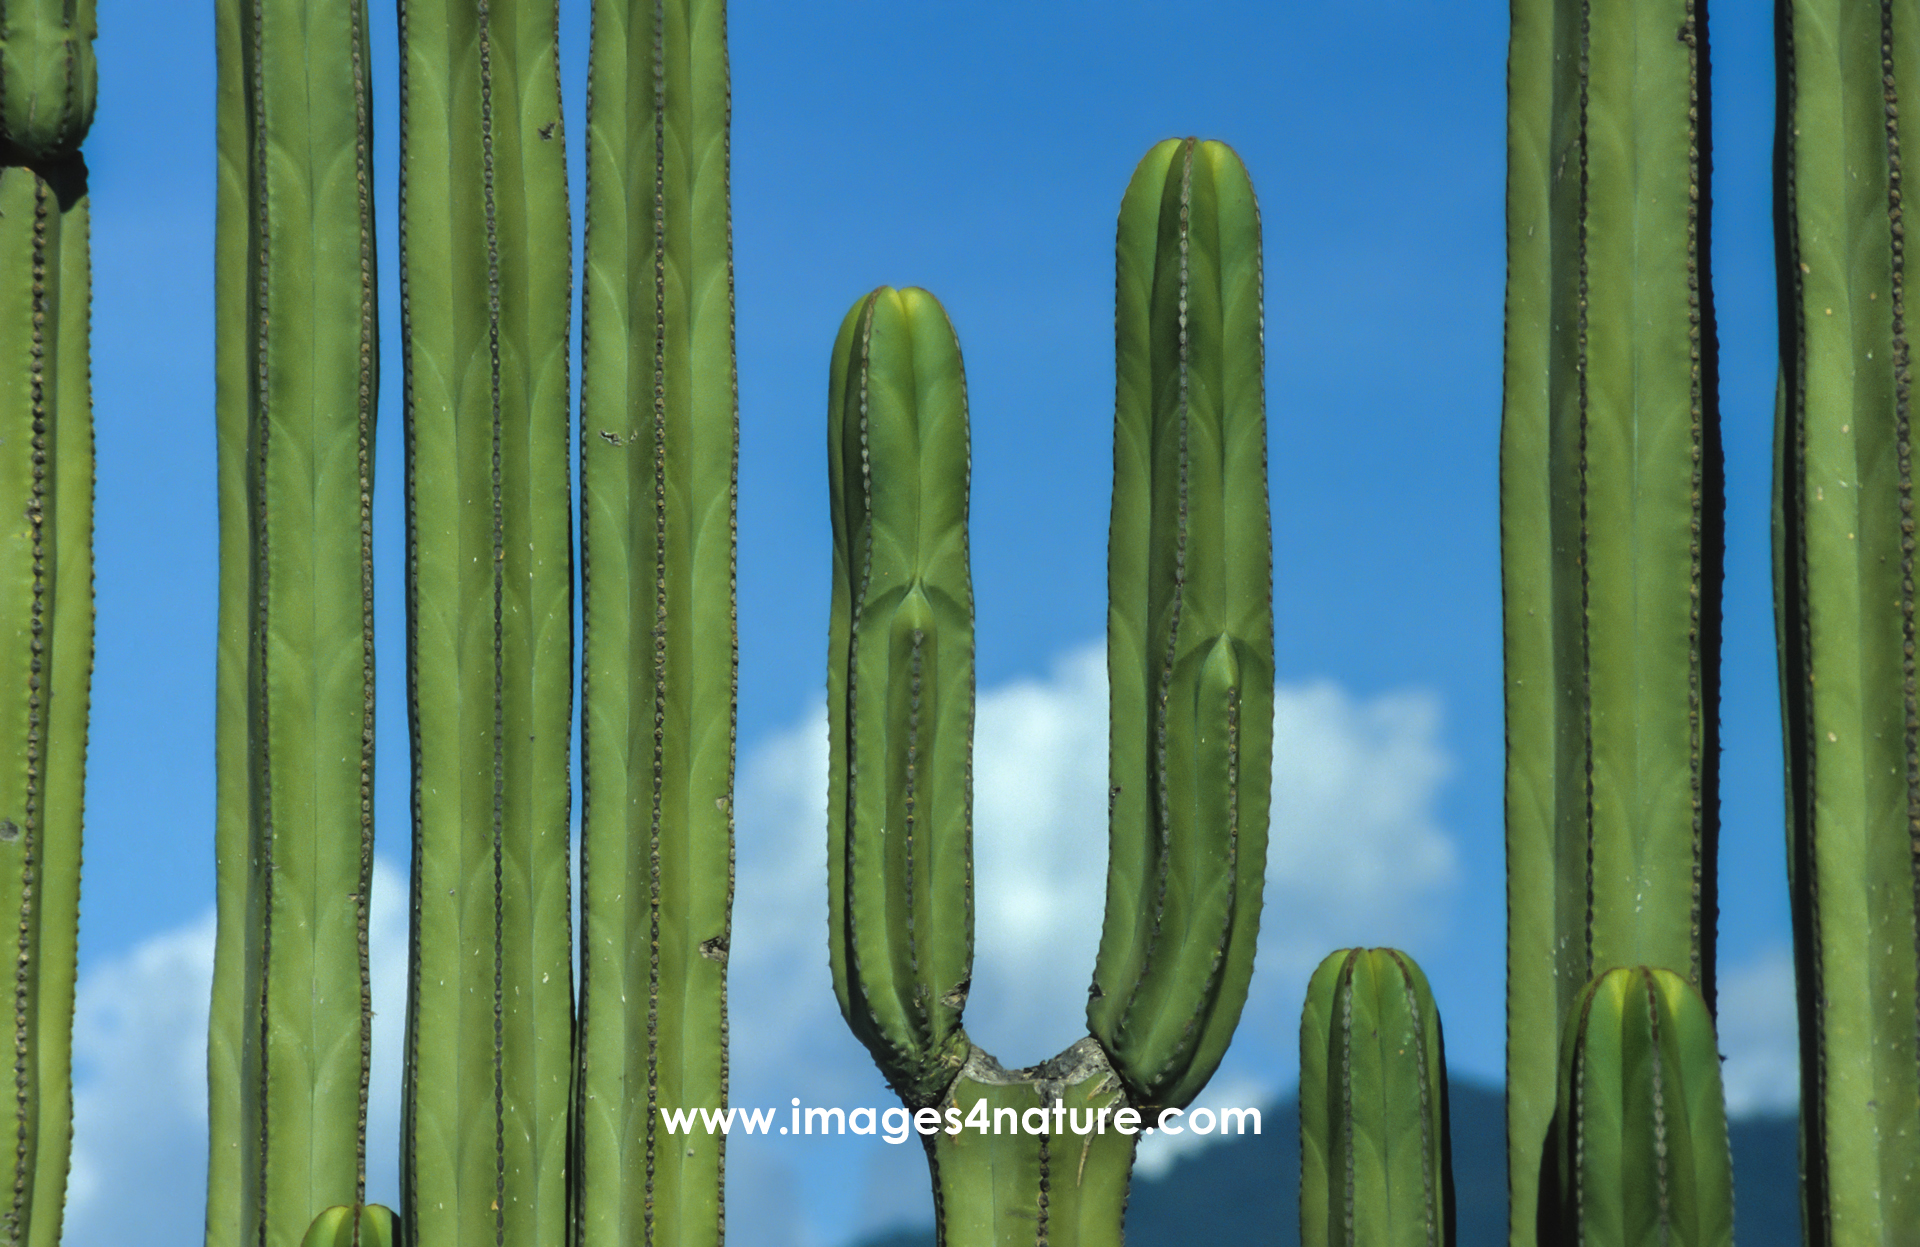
<point x="657" y="569"/>
<point x="1190" y="625"/>
<point x="901" y="684"/>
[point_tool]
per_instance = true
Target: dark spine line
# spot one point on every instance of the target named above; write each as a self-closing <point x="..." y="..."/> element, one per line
<point x="660" y="606"/>
<point x="263" y="771"/>
<point x="1580" y="375"/>
<point x="733" y="599"/>
<point x="409" y="1183"/>
<point x="483" y="19"/>
<point x="368" y="345"/>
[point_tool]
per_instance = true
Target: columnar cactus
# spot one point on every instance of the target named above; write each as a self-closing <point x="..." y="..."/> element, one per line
<point x="1844" y="592"/>
<point x="1638" y="1151"/>
<point x="1375" y="1161"/>
<point x="46" y="580"/>
<point x="290" y="1030"/>
<point x="657" y="455"/>
<point x="1610" y="514"/>
<point x="1191" y="657"/>
<point x="484" y="292"/>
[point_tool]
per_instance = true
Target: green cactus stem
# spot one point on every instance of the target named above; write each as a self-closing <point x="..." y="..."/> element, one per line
<point x="290" y="1030"/>
<point x="46" y="599"/>
<point x="484" y="287"/>
<point x="900" y="690"/>
<point x="355" y="1225"/>
<point x="1375" y="1163"/>
<point x="1844" y="595"/>
<point x="46" y="79"/>
<point x="657" y="456"/>
<point x="1638" y="1150"/>
<point x="1610" y="525"/>
<point x="1189" y="625"/>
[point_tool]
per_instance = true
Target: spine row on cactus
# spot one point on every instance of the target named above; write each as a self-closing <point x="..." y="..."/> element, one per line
<point x="1610" y="518"/>
<point x="1375" y="1162"/>
<point x="47" y="76"/>
<point x="1844" y="597"/>
<point x="657" y="569"/>
<point x="485" y="296"/>
<point x="900" y="690"/>
<point x="46" y="595"/>
<point x="1638" y="1151"/>
<point x="290" y="1031"/>
<point x="1190" y="625"/>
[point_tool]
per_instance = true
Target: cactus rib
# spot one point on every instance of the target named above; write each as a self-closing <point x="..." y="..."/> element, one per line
<point x="288" y="1051"/>
<point x="1610" y="525"/>
<point x="47" y="76"/>
<point x="1843" y="575"/>
<point x="900" y="690"/>
<point x="1190" y="625"/>
<point x="484" y="294"/>
<point x="657" y="569"/>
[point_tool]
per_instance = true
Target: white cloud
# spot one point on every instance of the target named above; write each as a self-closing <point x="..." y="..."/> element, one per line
<point x="1758" y="1030"/>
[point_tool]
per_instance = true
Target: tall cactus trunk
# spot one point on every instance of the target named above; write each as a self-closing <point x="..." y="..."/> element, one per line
<point x="484" y="284"/>
<point x="1844" y="576"/>
<point x="290" y="1031"/>
<point x="46" y="579"/>
<point x="657" y="463"/>
<point x="1610" y="526"/>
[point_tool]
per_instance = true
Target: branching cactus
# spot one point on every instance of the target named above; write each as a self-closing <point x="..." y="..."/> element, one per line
<point x="1638" y="1150"/>
<point x="1192" y="662"/>
<point x="484" y="291"/>
<point x="1375" y="1163"/>
<point x="46" y="581"/>
<point x="1844" y="592"/>
<point x="657" y="457"/>
<point x="1610" y="523"/>
<point x="290" y="1030"/>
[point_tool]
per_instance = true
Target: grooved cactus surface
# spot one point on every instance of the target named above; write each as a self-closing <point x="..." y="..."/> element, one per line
<point x="47" y="75"/>
<point x="484" y="288"/>
<point x="290" y="1030"/>
<point x="1843" y="575"/>
<point x="1375" y="1162"/>
<point x="657" y="456"/>
<point x="1610" y="524"/>
<point x="1638" y="1153"/>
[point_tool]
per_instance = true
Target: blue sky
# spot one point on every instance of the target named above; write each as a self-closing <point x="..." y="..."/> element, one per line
<point x="979" y="151"/>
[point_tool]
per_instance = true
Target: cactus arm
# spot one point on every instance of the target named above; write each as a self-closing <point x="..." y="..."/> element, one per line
<point x="1610" y="525"/>
<point x="47" y="75"/>
<point x="1640" y="1135"/>
<point x="290" y="1027"/>
<point x="485" y="286"/>
<point x="1844" y="592"/>
<point x="1190" y="634"/>
<point x="657" y="563"/>
<point x="1375" y="1164"/>
<point x="900" y="690"/>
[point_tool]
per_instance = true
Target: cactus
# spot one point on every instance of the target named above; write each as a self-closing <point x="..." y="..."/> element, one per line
<point x="484" y="284"/>
<point x="1843" y="575"/>
<point x="1638" y="1150"/>
<point x="355" y="1225"/>
<point x="290" y="1028"/>
<point x="1190" y="642"/>
<point x="46" y="580"/>
<point x="1610" y="514"/>
<point x="1375" y="1165"/>
<point x="47" y="77"/>
<point x="657" y="455"/>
